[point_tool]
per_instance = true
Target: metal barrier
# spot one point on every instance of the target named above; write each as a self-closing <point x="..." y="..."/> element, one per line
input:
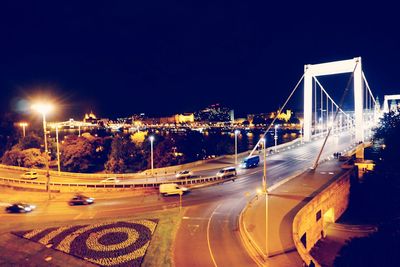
<point x="159" y="172"/>
<point x="54" y="185"/>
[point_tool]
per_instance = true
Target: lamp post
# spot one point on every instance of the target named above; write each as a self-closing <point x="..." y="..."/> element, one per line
<point x="58" y="150"/>
<point x="264" y="183"/>
<point x="265" y="191"/>
<point x="23" y="125"/>
<point x="151" y="138"/>
<point x="236" y="157"/>
<point x="276" y="137"/>
<point x="44" y="109"/>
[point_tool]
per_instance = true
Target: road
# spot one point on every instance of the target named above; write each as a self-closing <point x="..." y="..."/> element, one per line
<point x="208" y="234"/>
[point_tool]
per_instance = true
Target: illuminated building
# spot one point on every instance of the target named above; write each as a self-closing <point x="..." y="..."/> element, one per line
<point x="215" y="113"/>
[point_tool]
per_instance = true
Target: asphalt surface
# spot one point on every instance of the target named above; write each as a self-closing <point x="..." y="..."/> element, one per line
<point x="208" y="234"/>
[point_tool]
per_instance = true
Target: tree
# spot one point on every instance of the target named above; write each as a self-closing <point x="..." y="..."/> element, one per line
<point x="33" y="158"/>
<point x="377" y="201"/>
<point x="124" y="156"/>
<point x="12" y="157"/>
<point x="77" y="154"/>
<point x="29" y="158"/>
<point x="164" y="153"/>
<point x="30" y="141"/>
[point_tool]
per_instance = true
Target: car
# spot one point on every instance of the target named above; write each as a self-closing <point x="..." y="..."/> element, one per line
<point x="30" y="175"/>
<point x="110" y="180"/>
<point x="80" y="200"/>
<point x="227" y="172"/>
<point x="172" y="189"/>
<point x="20" y="208"/>
<point x="183" y="174"/>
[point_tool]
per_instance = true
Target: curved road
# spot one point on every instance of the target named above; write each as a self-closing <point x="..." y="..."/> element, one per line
<point x="208" y="233"/>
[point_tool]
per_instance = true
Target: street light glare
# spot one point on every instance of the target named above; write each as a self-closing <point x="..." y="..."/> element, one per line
<point x="151" y="138"/>
<point x="43" y="108"/>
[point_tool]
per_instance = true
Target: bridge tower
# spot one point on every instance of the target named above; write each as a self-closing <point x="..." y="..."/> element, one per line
<point x="331" y="68"/>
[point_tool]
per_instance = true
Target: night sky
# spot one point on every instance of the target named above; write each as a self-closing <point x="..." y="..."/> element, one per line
<point x="161" y="57"/>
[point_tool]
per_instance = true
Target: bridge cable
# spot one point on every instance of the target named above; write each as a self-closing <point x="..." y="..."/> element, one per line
<point x="346" y="90"/>
<point x="323" y="89"/>
<point x="277" y="115"/>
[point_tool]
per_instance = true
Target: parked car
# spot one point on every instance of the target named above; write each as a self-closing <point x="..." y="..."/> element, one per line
<point x="30" y="175"/>
<point x="227" y="172"/>
<point x="184" y="174"/>
<point x="172" y="189"/>
<point x="111" y="180"/>
<point x="20" y="208"/>
<point x="80" y="200"/>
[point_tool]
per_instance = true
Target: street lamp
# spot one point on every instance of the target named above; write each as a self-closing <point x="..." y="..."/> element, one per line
<point x="151" y="138"/>
<point x="44" y="109"/>
<point x="23" y="125"/>
<point x="276" y="136"/>
<point x="236" y="134"/>
<point x="264" y="182"/>
<point x="58" y="150"/>
<point x="265" y="191"/>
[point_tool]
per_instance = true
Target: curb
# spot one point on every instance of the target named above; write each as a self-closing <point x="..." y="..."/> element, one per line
<point x="253" y="250"/>
<point x="251" y="247"/>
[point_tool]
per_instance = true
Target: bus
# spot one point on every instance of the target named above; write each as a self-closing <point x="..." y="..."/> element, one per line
<point x="249" y="162"/>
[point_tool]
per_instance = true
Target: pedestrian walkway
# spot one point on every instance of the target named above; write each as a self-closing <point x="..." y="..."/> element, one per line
<point x="283" y="204"/>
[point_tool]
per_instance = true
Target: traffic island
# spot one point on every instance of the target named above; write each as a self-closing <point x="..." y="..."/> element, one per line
<point x="121" y="243"/>
<point x="94" y="242"/>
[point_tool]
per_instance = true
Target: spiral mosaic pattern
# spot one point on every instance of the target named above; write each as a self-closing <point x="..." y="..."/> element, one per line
<point x="106" y="244"/>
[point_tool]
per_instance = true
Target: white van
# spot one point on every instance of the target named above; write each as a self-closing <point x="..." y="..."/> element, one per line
<point x="172" y="189"/>
<point x="30" y="175"/>
<point x="227" y="172"/>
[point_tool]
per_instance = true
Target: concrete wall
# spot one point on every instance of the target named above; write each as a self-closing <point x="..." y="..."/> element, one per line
<point x="325" y="207"/>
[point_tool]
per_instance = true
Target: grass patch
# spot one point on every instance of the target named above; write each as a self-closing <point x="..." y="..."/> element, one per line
<point x="160" y="251"/>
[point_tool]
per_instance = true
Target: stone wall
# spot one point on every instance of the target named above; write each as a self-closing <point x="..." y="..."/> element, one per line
<point x="327" y="206"/>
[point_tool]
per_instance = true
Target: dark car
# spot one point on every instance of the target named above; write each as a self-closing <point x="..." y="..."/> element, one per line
<point x="20" y="208"/>
<point x="81" y="200"/>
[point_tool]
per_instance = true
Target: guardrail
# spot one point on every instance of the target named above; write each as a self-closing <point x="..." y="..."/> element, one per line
<point x="68" y="187"/>
<point x="157" y="172"/>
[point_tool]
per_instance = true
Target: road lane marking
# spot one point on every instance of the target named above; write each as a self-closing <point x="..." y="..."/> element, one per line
<point x="208" y="235"/>
<point x="78" y="216"/>
<point x="193" y="218"/>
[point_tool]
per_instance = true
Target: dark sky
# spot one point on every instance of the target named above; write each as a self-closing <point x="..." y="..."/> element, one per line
<point x="164" y="57"/>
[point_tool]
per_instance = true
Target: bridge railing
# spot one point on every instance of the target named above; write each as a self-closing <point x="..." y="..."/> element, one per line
<point x="73" y="187"/>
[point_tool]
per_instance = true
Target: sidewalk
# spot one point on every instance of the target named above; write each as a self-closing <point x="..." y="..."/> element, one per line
<point x="283" y="204"/>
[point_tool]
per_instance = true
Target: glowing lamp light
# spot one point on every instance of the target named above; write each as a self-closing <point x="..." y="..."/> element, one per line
<point x="43" y="108"/>
<point x="151" y="138"/>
